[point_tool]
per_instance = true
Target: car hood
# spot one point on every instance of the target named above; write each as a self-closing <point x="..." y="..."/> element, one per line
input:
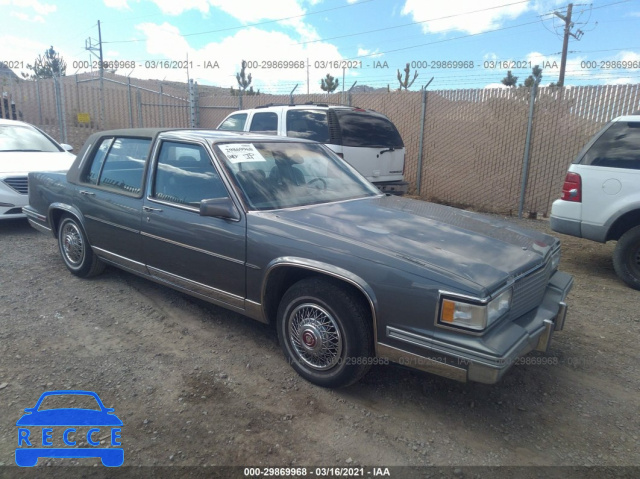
<point x="472" y="247"/>
<point x="23" y="162"/>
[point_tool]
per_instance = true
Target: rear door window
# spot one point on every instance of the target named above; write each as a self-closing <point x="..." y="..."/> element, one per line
<point x="265" y="122"/>
<point x="367" y="129"/>
<point x="234" y="122"/>
<point x="617" y="147"/>
<point x="308" y="124"/>
<point x="119" y="163"/>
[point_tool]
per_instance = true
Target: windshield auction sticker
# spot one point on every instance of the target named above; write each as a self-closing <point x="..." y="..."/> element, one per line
<point x="241" y="152"/>
<point x="82" y="428"/>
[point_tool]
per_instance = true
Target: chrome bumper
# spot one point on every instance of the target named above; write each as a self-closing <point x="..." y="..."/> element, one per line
<point x="455" y="364"/>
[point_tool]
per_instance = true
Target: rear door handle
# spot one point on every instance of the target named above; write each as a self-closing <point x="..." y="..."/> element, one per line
<point x="149" y="209"/>
<point x="87" y="193"/>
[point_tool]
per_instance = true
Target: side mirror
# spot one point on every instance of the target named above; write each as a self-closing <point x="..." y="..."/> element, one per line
<point x="219" y="208"/>
<point x="66" y="147"/>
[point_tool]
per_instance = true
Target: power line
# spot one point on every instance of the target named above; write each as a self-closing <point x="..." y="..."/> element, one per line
<point x="255" y="24"/>
<point x="445" y="40"/>
<point x="410" y="24"/>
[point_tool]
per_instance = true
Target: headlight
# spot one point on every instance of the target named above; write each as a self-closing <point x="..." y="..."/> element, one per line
<point x="475" y="316"/>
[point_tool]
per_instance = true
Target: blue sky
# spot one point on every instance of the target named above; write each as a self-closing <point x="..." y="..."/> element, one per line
<point x="372" y="38"/>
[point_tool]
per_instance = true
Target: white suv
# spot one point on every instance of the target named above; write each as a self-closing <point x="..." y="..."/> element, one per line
<point x="601" y="195"/>
<point x="367" y="140"/>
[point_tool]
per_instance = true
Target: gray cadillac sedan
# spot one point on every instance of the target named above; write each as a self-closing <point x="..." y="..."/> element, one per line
<point x="285" y="232"/>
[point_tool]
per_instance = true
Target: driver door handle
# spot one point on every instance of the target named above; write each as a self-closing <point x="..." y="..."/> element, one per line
<point x="149" y="209"/>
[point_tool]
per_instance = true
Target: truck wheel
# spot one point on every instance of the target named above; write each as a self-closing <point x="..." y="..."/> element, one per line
<point x="325" y="333"/>
<point x="626" y="257"/>
<point x="76" y="252"/>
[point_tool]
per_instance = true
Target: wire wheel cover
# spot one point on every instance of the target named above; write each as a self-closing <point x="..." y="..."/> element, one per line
<point x="315" y="336"/>
<point x="72" y="244"/>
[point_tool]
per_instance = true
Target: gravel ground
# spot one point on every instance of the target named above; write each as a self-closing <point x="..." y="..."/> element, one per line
<point x="196" y="385"/>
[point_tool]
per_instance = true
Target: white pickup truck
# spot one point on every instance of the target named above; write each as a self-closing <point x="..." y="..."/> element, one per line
<point x="601" y="195"/>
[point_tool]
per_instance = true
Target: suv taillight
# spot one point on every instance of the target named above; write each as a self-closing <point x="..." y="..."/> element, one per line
<point x="572" y="188"/>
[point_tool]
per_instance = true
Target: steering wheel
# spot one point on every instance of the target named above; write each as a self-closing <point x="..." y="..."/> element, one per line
<point x="318" y="180"/>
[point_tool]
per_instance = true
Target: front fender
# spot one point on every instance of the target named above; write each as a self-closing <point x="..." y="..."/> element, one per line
<point x="329" y="270"/>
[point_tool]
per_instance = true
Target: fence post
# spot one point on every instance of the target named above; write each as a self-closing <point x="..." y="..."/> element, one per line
<point x="129" y="101"/>
<point x="420" y="144"/>
<point x="196" y="97"/>
<point x="59" y="112"/>
<point x="192" y="104"/>
<point x="527" y="145"/>
<point x="161" y="109"/>
<point x="139" y="98"/>
<point x="39" y="102"/>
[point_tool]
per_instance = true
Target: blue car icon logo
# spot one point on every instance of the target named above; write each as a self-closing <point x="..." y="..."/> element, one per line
<point x="40" y="429"/>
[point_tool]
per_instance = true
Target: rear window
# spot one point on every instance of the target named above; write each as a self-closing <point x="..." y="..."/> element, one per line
<point x="118" y="164"/>
<point x="364" y="128"/>
<point x="617" y="147"/>
<point x="308" y="124"/>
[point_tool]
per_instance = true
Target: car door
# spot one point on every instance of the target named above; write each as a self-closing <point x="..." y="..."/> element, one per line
<point x="204" y="255"/>
<point x="110" y="198"/>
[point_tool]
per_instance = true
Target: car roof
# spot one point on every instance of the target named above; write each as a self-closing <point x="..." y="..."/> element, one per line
<point x="210" y="135"/>
<point x="633" y="117"/>
<point x="304" y="106"/>
<point x="15" y="123"/>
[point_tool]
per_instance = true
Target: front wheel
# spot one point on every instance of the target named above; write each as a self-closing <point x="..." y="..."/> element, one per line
<point x="626" y="258"/>
<point x="75" y="250"/>
<point x="325" y="333"/>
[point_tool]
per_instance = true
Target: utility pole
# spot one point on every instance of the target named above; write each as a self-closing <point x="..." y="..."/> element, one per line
<point x="93" y="48"/>
<point x="568" y="25"/>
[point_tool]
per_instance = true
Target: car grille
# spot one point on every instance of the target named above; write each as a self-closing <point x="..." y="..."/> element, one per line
<point x="529" y="290"/>
<point x="18" y="183"/>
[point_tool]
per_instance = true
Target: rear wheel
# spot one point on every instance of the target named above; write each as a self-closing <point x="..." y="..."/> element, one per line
<point x="325" y="333"/>
<point x="626" y="258"/>
<point x="75" y="250"/>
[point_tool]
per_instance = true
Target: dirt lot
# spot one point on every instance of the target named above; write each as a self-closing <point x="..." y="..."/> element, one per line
<point x="196" y="385"/>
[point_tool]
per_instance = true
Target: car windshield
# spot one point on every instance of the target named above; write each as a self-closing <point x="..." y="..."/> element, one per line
<point x="274" y="175"/>
<point x="75" y="401"/>
<point x="24" y="138"/>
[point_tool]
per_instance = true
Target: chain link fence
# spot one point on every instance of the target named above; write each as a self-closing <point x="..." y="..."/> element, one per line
<point x="473" y="141"/>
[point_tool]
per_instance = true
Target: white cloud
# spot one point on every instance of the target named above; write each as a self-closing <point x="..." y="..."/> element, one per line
<point x="496" y="85"/>
<point x="35" y="5"/>
<point x="165" y="40"/>
<point x="487" y="16"/>
<point x="28" y="18"/>
<point x="21" y="50"/>
<point x="119" y="4"/>
<point x="250" y="44"/>
<point x="176" y="7"/>
<point x="251" y="11"/>
<point x="613" y="77"/>
<point x="363" y="52"/>
<point x="246" y="11"/>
